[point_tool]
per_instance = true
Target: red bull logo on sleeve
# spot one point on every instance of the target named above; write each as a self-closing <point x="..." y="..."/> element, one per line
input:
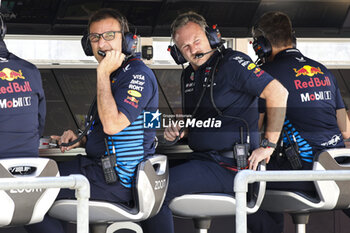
<point x="10" y="75"/>
<point x="258" y="72"/>
<point x="132" y="101"/>
<point x="307" y="70"/>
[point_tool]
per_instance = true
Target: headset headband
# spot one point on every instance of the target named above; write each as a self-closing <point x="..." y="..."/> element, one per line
<point x="3" y="27"/>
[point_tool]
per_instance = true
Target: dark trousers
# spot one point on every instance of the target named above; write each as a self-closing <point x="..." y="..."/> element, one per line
<point x="198" y="176"/>
<point x="281" y="163"/>
<point x="98" y="187"/>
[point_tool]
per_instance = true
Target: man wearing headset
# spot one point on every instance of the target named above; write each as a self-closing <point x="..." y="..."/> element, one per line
<point x="316" y="118"/>
<point x="125" y="89"/>
<point x="22" y="104"/>
<point x="236" y="87"/>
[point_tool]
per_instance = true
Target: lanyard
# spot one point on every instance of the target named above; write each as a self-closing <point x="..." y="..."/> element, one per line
<point x="92" y="113"/>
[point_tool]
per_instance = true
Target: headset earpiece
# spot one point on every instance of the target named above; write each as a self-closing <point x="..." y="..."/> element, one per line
<point x="85" y="43"/>
<point x="262" y="47"/>
<point x="176" y="55"/>
<point x="214" y="36"/>
<point x="130" y="41"/>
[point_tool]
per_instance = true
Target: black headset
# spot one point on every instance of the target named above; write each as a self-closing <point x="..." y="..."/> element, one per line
<point x="129" y="40"/>
<point x="3" y="28"/>
<point x="262" y="45"/>
<point x="214" y="37"/>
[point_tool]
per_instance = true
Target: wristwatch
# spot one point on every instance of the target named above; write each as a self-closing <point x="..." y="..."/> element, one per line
<point x="266" y="143"/>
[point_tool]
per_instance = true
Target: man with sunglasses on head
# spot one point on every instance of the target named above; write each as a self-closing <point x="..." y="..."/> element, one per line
<point x="126" y="88"/>
<point x="238" y="84"/>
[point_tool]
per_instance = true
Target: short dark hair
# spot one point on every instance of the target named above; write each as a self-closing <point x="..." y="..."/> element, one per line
<point x="276" y="27"/>
<point x="105" y="13"/>
<point x="185" y="18"/>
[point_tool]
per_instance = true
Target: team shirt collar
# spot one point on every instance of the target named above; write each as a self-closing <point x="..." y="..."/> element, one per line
<point x="287" y="52"/>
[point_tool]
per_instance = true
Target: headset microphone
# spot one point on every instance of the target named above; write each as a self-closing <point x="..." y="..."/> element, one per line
<point x="101" y="53"/>
<point x="200" y="55"/>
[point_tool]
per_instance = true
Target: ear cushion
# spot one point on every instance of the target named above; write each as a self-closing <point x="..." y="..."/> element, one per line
<point x="129" y="43"/>
<point x="262" y="47"/>
<point x="176" y="55"/>
<point x="85" y="43"/>
<point x="214" y="37"/>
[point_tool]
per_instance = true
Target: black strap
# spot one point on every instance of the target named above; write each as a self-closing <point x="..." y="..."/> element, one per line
<point x="92" y="115"/>
<point x="165" y="98"/>
<point x="218" y="110"/>
<point x="287" y="135"/>
<point x="205" y="84"/>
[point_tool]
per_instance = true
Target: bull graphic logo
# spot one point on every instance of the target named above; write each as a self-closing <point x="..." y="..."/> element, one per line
<point x="10" y="75"/>
<point x="308" y="70"/>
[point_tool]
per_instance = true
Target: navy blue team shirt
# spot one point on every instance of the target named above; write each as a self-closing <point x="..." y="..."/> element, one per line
<point x="237" y="84"/>
<point x="135" y="91"/>
<point x="22" y="106"/>
<point x="313" y="99"/>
